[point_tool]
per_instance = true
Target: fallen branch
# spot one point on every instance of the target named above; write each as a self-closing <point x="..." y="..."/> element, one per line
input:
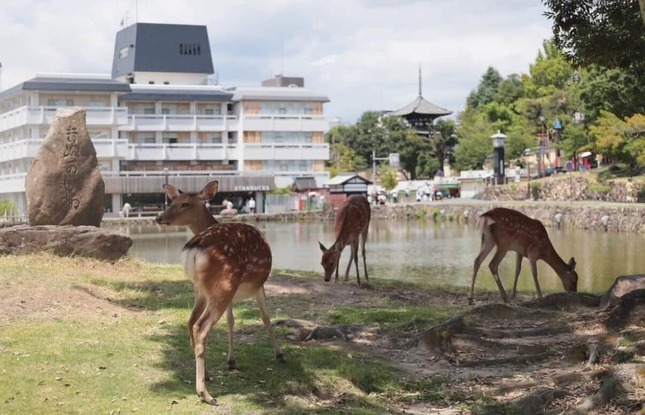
<point x="504" y="360"/>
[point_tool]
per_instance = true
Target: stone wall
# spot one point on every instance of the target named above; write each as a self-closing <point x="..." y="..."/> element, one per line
<point x="566" y="188"/>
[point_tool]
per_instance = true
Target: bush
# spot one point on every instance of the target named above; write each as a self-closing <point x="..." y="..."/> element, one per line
<point x="7" y="208"/>
<point x="599" y="188"/>
<point x="535" y="190"/>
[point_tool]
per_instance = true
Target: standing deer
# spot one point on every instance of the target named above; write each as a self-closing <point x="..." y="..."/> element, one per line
<point x="511" y="230"/>
<point x="352" y="223"/>
<point x="225" y="261"/>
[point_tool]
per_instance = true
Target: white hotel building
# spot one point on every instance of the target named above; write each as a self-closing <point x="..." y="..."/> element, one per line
<point x="157" y="118"/>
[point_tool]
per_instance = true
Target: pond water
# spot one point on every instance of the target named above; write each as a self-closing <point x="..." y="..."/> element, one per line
<point x="423" y="252"/>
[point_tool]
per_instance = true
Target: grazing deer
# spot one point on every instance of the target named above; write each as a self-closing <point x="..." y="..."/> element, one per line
<point x="352" y="223"/>
<point x="511" y="230"/>
<point x="225" y="261"/>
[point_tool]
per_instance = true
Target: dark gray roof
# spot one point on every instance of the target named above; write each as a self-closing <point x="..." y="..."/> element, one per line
<point x="153" y="47"/>
<point x="421" y="106"/>
<point x="53" y="83"/>
<point x="304" y="183"/>
<point x="177" y="94"/>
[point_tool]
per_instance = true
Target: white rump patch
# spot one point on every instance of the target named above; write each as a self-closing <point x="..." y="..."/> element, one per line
<point x="193" y="259"/>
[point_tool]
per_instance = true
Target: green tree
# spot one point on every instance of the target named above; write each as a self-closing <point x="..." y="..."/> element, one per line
<point x="388" y="178"/>
<point x="427" y="165"/>
<point x="443" y="140"/>
<point x="475" y="143"/>
<point x="486" y="90"/>
<point x="575" y="139"/>
<point x="614" y="90"/>
<point x="510" y="90"/>
<point x="603" y="32"/>
<point x="621" y="139"/>
<point x="7" y="208"/>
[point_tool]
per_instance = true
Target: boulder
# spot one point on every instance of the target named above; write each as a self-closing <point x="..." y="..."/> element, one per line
<point x="85" y="241"/>
<point x="64" y="185"/>
<point x="622" y="286"/>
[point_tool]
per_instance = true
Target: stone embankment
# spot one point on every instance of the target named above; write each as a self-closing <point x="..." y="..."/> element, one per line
<point x="600" y="216"/>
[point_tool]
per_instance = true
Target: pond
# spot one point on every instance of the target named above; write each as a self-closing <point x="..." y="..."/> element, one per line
<point x="423" y="252"/>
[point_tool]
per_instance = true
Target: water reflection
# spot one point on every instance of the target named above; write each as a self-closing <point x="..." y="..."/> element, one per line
<point x="423" y="252"/>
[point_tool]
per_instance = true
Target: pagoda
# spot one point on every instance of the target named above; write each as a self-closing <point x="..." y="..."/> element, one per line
<point x="421" y="113"/>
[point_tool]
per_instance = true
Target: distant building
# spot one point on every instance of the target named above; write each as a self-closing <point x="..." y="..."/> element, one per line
<point x="160" y="117"/>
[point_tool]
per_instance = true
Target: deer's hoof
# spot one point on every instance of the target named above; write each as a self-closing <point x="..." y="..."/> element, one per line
<point x="232" y="365"/>
<point x="280" y="358"/>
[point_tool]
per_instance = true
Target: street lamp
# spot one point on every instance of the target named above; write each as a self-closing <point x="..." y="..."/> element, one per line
<point x="498" y="157"/>
<point x="165" y="196"/>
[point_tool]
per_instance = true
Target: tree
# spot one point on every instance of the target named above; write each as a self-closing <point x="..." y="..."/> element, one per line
<point x="443" y="140"/>
<point x="575" y="139"/>
<point x="7" y="208"/>
<point x="388" y="178"/>
<point x="487" y="88"/>
<point x="427" y="165"/>
<point x="510" y="90"/>
<point x="409" y="152"/>
<point x="475" y="143"/>
<point x="614" y="90"/>
<point x="609" y="33"/>
<point x="621" y="139"/>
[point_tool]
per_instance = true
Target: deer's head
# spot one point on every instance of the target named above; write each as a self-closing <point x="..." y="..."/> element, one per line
<point x="330" y="258"/>
<point x="570" y="277"/>
<point x="184" y="208"/>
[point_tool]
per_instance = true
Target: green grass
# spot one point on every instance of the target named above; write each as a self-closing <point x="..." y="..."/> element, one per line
<point x="96" y="338"/>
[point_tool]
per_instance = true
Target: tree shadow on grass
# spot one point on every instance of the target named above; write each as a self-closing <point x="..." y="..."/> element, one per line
<point x="311" y="381"/>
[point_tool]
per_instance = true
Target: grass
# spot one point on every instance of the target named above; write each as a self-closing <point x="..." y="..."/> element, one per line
<point x="81" y="336"/>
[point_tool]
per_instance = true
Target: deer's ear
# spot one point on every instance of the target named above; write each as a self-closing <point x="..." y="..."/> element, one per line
<point x="208" y="192"/>
<point x="572" y="264"/>
<point x="322" y="247"/>
<point x="171" y="191"/>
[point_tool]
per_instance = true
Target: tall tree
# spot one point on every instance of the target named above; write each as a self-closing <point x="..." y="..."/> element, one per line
<point x="614" y="90"/>
<point x="609" y="33"/>
<point x="486" y="89"/>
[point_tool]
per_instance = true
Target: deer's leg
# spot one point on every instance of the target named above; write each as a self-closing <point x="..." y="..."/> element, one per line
<point x="198" y="309"/>
<point x="487" y="245"/>
<point x="338" y="264"/>
<point x="363" y="241"/>
<point x="355" y="255"/>
<point x="264" y="314"/>
<point x="533" y="260"/>
<point x="494" y="266"/>
<point x="210" y="316"/>
<point x="351" y="258"/>
<point x="230" y="321"/>
<point x="518" y="268"/>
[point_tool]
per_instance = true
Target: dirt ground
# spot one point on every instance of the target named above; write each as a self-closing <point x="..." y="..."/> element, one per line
<point x="557" y="355"/>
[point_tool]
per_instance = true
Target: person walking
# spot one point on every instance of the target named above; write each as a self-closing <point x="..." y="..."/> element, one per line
<point x="252" y="205"/>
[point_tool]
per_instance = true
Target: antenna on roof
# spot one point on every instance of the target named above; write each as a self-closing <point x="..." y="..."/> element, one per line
<point x="282" y="57"/>
<point x="420" y="84"/>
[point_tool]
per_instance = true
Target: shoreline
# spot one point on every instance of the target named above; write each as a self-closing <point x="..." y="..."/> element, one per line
<point x="592" y="215"/>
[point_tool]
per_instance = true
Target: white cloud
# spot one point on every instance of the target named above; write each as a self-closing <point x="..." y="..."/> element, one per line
<point x="363" y="54"/>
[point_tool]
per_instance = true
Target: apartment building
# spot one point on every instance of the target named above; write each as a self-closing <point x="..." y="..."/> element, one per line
<point x="159" y="118"/>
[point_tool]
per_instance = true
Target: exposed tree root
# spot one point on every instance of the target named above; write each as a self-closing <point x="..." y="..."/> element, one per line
<point x="609" y="389"/>
<point x="528" y="358"/>
<point x="534" y="403"/>
<point x="304" y="331"/>
<point x="621" y="315"/>
<point x="564" y="301"/>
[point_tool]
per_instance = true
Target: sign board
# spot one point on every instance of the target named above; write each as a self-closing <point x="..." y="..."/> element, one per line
<point x="440" y="173"/>
<point x="394" y="160"/>
<point x="569" y="165"/>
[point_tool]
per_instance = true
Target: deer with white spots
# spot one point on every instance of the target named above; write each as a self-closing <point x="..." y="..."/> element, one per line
<point x="226" y="262"/>
<point x="351" y="226"/>
<point x="510" y="230"/>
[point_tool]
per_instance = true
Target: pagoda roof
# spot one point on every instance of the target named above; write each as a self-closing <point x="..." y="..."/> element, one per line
<point x="421" y="106"/>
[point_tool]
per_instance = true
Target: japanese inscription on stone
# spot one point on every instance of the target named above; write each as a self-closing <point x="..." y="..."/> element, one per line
<point x="70" y="157"/>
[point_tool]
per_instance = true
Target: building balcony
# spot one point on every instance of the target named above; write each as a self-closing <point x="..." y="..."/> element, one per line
<point x="105" y="149"/>
<point x="285" y="123"/>
<point x="179" y="122"/>
<point x="286" y="151"/>
<point x="95" y="116"/>
<point x="152" y="152"/>
<point x="12" y="183"/>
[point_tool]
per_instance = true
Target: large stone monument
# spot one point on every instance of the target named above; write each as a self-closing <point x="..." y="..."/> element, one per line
<point x="64" y="185"/>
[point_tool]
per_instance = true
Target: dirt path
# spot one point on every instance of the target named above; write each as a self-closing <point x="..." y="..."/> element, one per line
<point x="558" y="355"/>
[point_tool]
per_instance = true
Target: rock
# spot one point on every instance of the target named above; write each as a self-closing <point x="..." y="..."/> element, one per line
<point x="623" y="285"/>
<point x="228" y="212"/>
<point x="64" y="185"/>
<point x="85" y="241"/>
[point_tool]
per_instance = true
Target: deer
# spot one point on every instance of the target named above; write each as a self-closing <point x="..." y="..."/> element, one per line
<point x="226" y="262"/>
<point x="351" y="226"/>
<point x="510" y="230"/>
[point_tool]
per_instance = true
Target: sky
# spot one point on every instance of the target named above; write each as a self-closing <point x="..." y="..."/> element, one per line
<point x="362" y="54"/>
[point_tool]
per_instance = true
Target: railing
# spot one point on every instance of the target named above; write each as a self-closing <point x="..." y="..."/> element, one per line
<point x="285" y="123"/>
<point x="188" y="151"/>
<point x="27" y="148"/>
<point x="45" y="115"/>
<point x="12" y="183"/>
<point x="281" y="151"/>
<point x="180" y="122"/>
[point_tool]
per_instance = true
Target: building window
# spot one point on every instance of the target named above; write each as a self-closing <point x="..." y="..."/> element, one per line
<point x="151" y="82"/>
<point x="190" y="49"/>
<point x="149" y="111"/>
<point x="166" y="83"/>
<point x="60" y="102"/>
